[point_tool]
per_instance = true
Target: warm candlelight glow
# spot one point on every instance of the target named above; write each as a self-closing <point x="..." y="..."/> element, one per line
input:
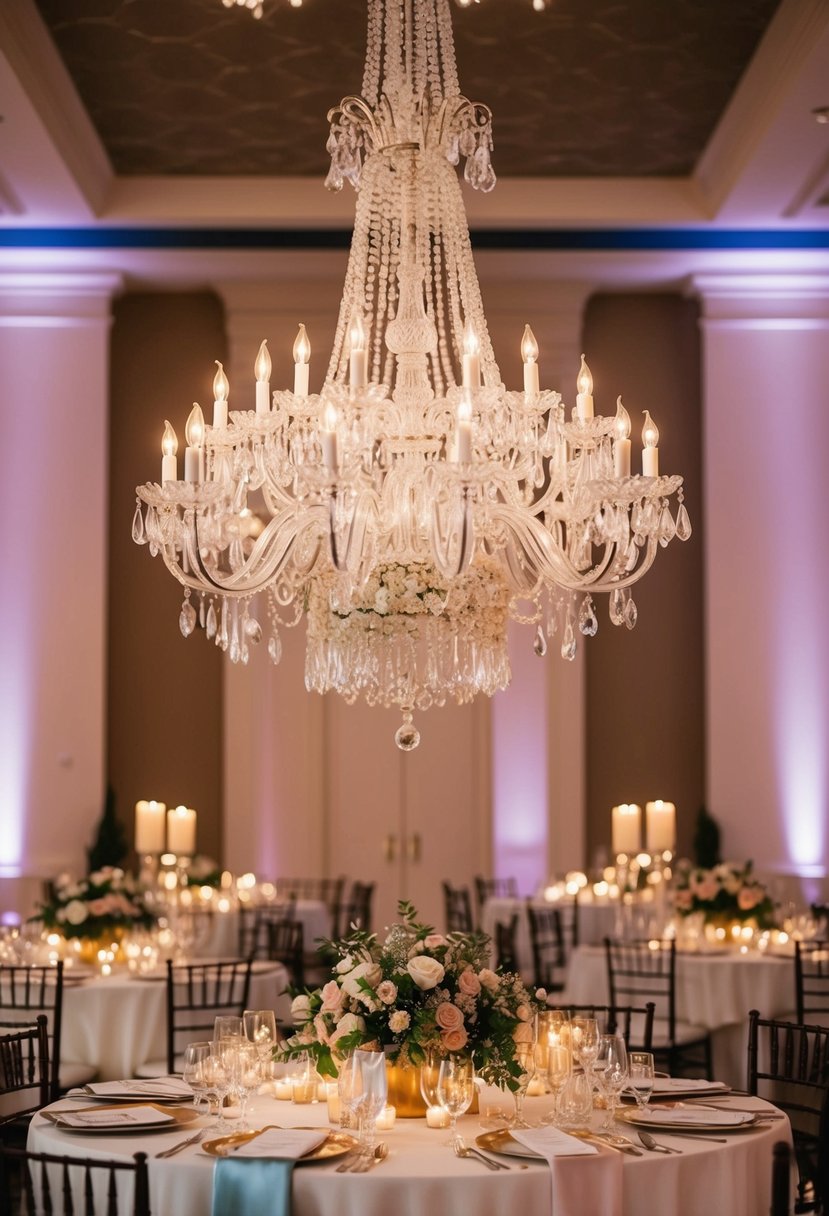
<point x="650" y="431"/>
<point x="302" y="346"/>
<point x="263" y="366"/>
<point x="194" y="428"/>
<point x="621" y="425"/>
<point x="529" y="346"/>
<point x="357" y="334"/>
<point x="169" y="440"/>
<point x="221" y="386"/>
<point x="584" y="380"/>
<point x="471" y="341"/>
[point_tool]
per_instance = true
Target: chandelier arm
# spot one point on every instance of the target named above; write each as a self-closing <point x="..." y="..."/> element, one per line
<point x="441" y="541"/>
<point x="365" y="508"/>
<point x="282" y="528"/>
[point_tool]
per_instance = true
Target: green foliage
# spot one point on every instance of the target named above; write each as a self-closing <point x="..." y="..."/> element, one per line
<point x="707" y="841"/>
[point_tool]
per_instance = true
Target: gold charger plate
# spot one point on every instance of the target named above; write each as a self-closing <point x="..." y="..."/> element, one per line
<point x="179" y="1116"/>
<point x="336" y="1144"/>
<point x="740" y="1123"/>
<point x="502" y="1141"/>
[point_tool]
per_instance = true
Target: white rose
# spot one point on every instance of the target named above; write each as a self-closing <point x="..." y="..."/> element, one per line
<point x="370" y="972"/>
<point x="76" y="912"/>
<point x="426" y="972"/>
<point x="300" y="1009"/>
<point x="345" y="964"/>
<point x="351" y="1021"/>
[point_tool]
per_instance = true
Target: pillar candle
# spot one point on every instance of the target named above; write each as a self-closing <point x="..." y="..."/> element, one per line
<point x="660" y="826"/>
<point x="181" y="831"/>
<point x="149" y="826"/>
<point x="626" y="822"/>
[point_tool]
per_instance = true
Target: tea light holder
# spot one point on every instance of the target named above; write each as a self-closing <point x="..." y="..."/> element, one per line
<point x="385" y="1120"/>
<point x="437" y="1116"/>
<point x="283" y="1089"/>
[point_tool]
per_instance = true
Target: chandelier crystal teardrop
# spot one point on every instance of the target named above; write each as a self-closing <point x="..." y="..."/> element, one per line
<point x="415" y="505"/>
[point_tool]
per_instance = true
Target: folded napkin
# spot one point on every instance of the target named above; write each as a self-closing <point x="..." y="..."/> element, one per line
<point x="162" y="1087"/>
<point x="255" y="1180"/>
<point x="577" y="1186"/>
<point x="693" y="1116"/>
<point x="669" y="1085"/>
<point x="124" y="1116"/>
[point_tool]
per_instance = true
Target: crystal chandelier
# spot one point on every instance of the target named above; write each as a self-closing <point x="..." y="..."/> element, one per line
<point x="257" y="9"/>
<point x="415" y="505"/>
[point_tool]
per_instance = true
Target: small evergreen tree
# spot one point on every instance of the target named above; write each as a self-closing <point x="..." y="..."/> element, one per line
<point x="706" y="840"/>
<point x="110" y="846"/>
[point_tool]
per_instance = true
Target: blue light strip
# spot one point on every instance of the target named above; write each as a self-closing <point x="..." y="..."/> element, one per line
<point x="557" y="239"/>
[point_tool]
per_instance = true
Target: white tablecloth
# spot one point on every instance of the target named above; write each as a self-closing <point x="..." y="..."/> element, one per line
<point x="716" y="991"/>
<point x="117" y="1023"/>
<point x="421" y="1176"/>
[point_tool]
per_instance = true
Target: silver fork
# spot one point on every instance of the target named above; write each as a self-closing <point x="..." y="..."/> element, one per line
<point x="176" y="1148"/>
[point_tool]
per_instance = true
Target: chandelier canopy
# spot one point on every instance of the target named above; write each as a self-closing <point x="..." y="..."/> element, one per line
<point x="415" y="505"/>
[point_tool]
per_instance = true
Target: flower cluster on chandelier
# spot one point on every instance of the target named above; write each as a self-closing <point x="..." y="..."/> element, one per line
<point x="414" y="505"/>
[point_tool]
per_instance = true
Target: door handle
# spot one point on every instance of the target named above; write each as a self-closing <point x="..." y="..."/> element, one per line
<point x="414" y="847"/>
<point x="390" y="848"/>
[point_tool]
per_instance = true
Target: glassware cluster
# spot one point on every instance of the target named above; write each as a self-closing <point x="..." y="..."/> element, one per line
<point x="414" y="505"/>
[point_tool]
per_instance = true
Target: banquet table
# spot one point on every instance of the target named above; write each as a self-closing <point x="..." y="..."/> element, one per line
<point x="117" y="1023"/>
<point x="222" y="938"/>
<point x="422" y="1177"/>
<point x="715" y="990"/>
<point x="597" y="920"/>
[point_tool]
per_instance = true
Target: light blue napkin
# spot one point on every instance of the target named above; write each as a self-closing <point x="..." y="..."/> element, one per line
<point x="256" y="1179"/>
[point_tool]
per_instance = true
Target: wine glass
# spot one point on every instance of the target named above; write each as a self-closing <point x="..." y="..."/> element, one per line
<point x="217" y="1082"/>
<point x="558" y="1069"/>
<point x="242" y="1059"/>
<point x="193" y="1072"/>
<point x="584" y="1037"/>
<point x="575" y="1105"/>
<point x="456" y="1088"/>
<point x="429" y="1074"/>
<point x="524" y="1055"/>
<point x="363" y="1091"/>
<point x="640" y="1076"/>
<point x="260" y="1028"/>
<point x="611" y="1072"/>
<point x="227" y="1027"/>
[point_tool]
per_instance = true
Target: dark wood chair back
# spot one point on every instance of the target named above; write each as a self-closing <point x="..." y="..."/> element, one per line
<point x="71" y="1186"/>
<point x="357" y="908"/>
<point x="633" y="1022"/>
<point x="548" y="950"/>
<point x="24" y="1071"/>
<point x="26" y="992"/>
<point x="811" y="980"/>
<point x="198" y="993"/>
<point x="788" y="1064"/>
<point x="781" y="1171"/>
<point x="493" y="888"/>
<point x="327" y="890"/>
<point x="458" y="909"/>
<point x="285" y="945"/>
<point x="253" y="927"/>
<point x="506" y="944"/>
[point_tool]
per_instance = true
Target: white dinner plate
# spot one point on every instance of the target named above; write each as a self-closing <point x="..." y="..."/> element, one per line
<point x="696" y="1118"/>
<point x="125" y="1123"/>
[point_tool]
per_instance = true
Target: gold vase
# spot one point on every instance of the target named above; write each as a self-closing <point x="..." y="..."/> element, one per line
<point x="87" y="951"/>
<point x="404" y="1091"/>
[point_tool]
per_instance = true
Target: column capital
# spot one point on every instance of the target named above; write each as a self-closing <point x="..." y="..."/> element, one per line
<point x="34" y="298"/>
<point x="768" y="300"/>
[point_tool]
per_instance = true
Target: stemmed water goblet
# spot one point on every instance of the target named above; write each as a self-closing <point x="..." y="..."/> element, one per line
<point x="193" y="1072"/>
<point x="584" y="1039"/>
<point x="557" y="1072"/>
<point x="242" y="1062"/>
<point x="217" y="1082"/>
<point x="611" y="1072"/>
<point x="524" y="1054"/>
<point x="456" y="1088"/>
<point x="640" y="1077"/>
<point x="260" y="1028"/>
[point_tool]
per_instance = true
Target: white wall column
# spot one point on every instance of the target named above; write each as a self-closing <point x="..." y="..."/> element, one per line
<point x="766" y="437"/>
<point x="54" y="355"/>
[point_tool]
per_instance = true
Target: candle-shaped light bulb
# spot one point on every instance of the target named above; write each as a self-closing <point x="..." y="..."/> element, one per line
<point x="621" y="448"/>
<point x="329" y="440"/>
<point x="169" y="448"/>
<point x="358" y="358"/>
<point x="262" y="368"/>
<point x="194" y="453"/>
<point x="471" y="356"/>
<point x="650" y="450"/>
<point x="302" y="357"/>
<point x="584" y="392"/>
<point x="194" y="427"/>
<point x="221" y="388"/>
<point x="529" y="353"/>
<point x="221" y="385"/>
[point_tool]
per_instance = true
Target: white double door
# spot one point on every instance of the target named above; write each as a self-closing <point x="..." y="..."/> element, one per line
<point x="407" y="821"/>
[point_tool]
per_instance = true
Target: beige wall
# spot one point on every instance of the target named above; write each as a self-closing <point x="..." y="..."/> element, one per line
<point x="645" y="687"/>
<point x="165" y="705"/>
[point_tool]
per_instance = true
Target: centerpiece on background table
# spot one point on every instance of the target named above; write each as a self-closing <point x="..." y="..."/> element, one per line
<point x="724" y="894"/>
<point x="416" y="992"/>
<point x="96" y="911"/>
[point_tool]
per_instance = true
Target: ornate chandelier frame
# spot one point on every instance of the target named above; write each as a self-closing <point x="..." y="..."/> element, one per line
<point x="414" y="505"/>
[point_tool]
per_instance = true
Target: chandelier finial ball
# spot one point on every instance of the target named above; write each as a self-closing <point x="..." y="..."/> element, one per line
<point x="407" y="736"/>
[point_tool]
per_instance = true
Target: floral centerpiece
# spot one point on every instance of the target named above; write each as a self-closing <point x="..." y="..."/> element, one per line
<point x="108" y="902"/>
<point x="415" y="992"/>
<point x="725" y="892"/>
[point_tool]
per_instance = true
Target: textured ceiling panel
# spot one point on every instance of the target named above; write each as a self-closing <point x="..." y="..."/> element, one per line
<point x="587" y="88"/>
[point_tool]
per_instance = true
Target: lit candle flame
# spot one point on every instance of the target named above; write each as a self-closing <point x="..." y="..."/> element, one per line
<point x="194" y="428"/>
<point x="529" y="346"/>
<point x="169" y="440"/>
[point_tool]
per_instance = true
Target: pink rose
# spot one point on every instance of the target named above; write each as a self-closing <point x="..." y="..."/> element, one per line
<point x="683" y="900"/>
<point x="749" y="897"/>
<point x="320" y="1028"/>
<point x="434" y="940"/>
<point x="489" y="979"/>
<point x="454" y="1040"/>
<point x="332" y="996"/>
<point x="705" y="887"/>
<point x="468" y="983"/>
<point x="387" y="992"/>
<point x="448" y="1017"/>
<point x="522" y="1033"/>
<point x="523" y="1013"/>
